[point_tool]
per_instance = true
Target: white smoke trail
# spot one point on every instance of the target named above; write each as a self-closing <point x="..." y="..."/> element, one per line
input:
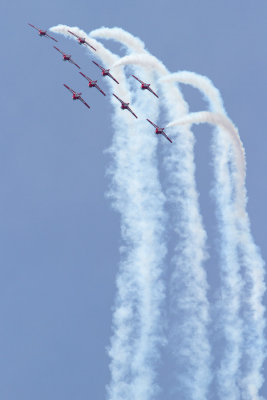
<point x="239" y="238"/>
<point x="151" y="106"/>
<point x="137" y="195"/>
<point x="130" y="42"/>
<point x="253" y="264"/>
<point x="189" y="287"/>
<point x="231" y="283"/>
<point x="211" y="118"/>
<point x="202" y="83"/>
<point x="223" y="121"/>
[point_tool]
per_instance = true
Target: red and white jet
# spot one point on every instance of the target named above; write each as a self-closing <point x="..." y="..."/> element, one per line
<point x="81" y="40"/>
<point x="145" y="86"/>
<point x="125" y="106"/>
<point x="76" y="96"/>
<point x="105" y="72"/>
<point x="67" y="57"/>
<point x="159" y="131"/>
<point x="93" y="83"/>
<point x="42" y="32"/>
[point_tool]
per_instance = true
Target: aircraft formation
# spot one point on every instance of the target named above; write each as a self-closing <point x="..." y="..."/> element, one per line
<point x="93" y="83"/>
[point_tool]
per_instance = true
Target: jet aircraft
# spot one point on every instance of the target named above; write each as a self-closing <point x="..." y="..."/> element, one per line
<point x="93" y="83"/>
<point x="76" y="96"/>
<point x="105" y="72"/>
<point x="159" y="131"/>
<point x="81" y="40"/>
<point x="125" y="106"/>
<point x="42" y="32"/>
<point x="67" y="57"/>
<point x="145" y="85"/>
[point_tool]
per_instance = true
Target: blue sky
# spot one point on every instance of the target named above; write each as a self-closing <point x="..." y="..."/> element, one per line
<point x="59" y="236"/>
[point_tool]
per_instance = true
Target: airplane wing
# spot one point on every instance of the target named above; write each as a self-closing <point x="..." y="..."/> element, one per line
<point x="59" y="50"/>
<point x="155" y="126"/>
<point x="33" y="26"/>
<point x="84" y="102"/>
<point x="88" y="44"/>
<point x="139" y="80"/>
<point x="112" y="77"/>
<point x="86" y="77"/>
<point x="152" y="92"/>
<point x="131" y="111"/>
<point x="118" y="98"/>
<point x="71" y="61"/>
<point x="164" y="134"/>
<point x="99" y="66"/>
<point x="74" y="34"/>
<point x="72" y="91"/>
<point x="46" y="34"/>
<point x="100" y="90"/>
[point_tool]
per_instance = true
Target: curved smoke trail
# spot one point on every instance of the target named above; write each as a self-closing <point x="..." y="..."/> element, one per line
<point x="213" y="96"/>
<point x="136" y="338"/>
<point x="188" y="284"/>
<point x="202" y="83"/>
<point x="137" y="195"/>
<point x="231" y="283"/>
<point x="130" y="42"/>
<point x="239" y="237"/>
<point x="223" y="121"/>
<point x="210" y="118"/>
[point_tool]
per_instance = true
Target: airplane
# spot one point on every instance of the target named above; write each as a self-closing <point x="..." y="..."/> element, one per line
<point x="145" y="86"/>
<point x="66" y="57"/>
<point x="93" y="83"/>
<point x="82" y="40"/>
<point x="105" y="72"/>
<point x="159" y="131"/>
<point x="42" y="32"/>
<point x="125" y="106"/>
<point x="76" y="96"/>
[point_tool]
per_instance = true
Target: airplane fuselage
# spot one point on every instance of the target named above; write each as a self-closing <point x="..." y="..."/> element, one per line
<point x="75" y="96"/>
<point x="145" y="86"/>
<point x="42" y="33"/>
<point x="92" y="83"/>
<point x="159" y="131"/>
<point x="124" y="106"/>
<point x="66" y="57"/>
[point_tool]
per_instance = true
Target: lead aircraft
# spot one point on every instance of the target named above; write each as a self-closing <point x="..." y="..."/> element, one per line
<point x="76" y="96"/>
<point x="125" y="106"/>
<point x="42" y="32"/>
<point x="159" y="131"/>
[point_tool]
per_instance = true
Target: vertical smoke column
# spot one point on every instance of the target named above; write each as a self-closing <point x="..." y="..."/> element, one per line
<point x="238" y="247"/>
<point x="228" y="322"/>
<point x="189" y="305"/>
<point x="136" y="194"/>
<point x="189" y="308"/>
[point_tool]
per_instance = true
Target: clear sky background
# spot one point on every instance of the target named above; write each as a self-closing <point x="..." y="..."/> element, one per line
<point x="59" y="237"/>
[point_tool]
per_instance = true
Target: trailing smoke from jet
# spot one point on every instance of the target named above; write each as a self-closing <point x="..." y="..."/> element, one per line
<point x="228" y="315"/>
<point x="188" y="282"/>
<point x="130" y="42"/>
<point x="223" y="121"/>
<point x="236" y="235"/>
<point x="247" y="344"/>
<point x="137" y="195"/>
